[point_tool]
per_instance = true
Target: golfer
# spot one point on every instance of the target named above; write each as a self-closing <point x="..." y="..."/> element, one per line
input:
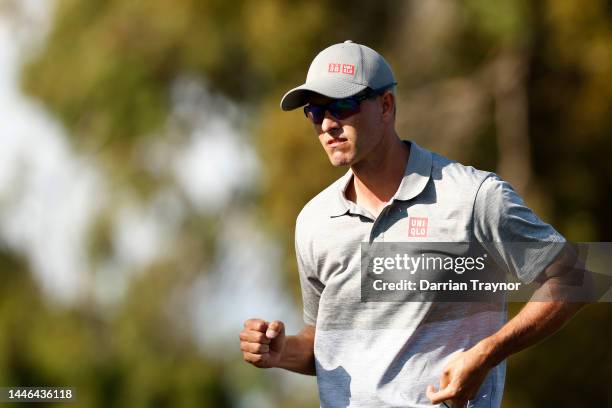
<point x="399" y="354"/>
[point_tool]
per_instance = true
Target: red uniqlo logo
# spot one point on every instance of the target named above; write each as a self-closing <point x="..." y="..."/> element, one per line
<point x="348" y="69"/>
<point x="334" y="67"/>
<point x="417" y="226"/>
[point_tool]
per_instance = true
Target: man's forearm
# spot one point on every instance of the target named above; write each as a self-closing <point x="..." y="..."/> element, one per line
<point x="563" y="280"/>
<point x="298" y="354"/>
<point x="535" y="322"/>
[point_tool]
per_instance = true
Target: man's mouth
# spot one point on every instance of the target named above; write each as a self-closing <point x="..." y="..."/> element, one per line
<point x="336" y="141"/>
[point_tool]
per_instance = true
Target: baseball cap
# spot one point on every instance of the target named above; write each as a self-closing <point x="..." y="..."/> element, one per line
<point x="340" y="71"/>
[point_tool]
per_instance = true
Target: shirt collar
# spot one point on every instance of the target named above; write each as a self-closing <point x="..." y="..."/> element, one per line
<point x="340" y="205"/>
<point x="417" y="173"/>
<point x="416" y="177"/>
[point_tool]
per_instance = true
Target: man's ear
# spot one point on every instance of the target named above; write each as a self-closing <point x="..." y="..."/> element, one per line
<point x="388" y="106"/>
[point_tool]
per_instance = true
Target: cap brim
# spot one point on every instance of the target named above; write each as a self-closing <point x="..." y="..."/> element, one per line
<point x="332" y="89"/>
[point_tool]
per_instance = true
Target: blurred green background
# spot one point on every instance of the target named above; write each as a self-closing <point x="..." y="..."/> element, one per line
<point x="149" y="182"/>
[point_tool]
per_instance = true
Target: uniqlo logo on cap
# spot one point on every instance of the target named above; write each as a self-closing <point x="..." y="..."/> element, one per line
<point x="336" y="68"/>
<point x="417" y="226"/>
<point x="348" y="69"/>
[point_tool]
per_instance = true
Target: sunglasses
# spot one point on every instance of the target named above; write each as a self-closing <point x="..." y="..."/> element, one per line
<point x="340" y="108"/>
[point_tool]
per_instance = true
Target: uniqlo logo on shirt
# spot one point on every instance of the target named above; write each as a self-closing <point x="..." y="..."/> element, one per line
<point x="417" y="226"/>
<point x="336" y="68"/>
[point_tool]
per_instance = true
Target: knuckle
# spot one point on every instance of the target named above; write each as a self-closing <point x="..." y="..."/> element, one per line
<point x="249" y="347"/>
<point x="251" y="358"/>
<point x="253" y="323"/>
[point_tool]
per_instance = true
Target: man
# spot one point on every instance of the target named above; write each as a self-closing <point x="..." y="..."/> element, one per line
<point x="389" y="354"/>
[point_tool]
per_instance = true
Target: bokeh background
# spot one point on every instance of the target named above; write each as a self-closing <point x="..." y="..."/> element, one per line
<point x="149" y="182"/>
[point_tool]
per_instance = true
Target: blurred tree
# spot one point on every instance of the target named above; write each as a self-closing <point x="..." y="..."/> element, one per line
<point x="125" y="362"/>
<point x="107" y="71"/>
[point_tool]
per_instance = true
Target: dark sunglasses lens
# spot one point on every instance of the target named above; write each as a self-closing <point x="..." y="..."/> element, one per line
<point x="344" y="108"/>
<point x="315" y="113"/>
<point x="340" y="109"/>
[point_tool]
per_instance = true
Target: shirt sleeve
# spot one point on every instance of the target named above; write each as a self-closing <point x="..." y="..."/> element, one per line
<point x="310" y="284"/>
<point x="519" y="241"/>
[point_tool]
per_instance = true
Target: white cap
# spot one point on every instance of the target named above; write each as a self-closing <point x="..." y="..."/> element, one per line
<point x="340" y="71"/>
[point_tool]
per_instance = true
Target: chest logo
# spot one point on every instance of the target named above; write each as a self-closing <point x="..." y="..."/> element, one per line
<point x="417" y="226"/>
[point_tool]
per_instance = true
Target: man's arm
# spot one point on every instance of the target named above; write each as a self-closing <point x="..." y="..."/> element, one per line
<point x="464" y="374"/>
<point x="298" y="355"/>
<point x="265" y="345"/>
<point x="535" y="322"/>
<point x="566" y="288"/>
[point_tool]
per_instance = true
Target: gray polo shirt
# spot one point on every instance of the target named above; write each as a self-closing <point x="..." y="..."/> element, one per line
<point x="384" y="354"/>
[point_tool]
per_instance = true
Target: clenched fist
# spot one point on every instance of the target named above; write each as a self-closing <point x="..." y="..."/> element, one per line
<point x="262" y="343"/>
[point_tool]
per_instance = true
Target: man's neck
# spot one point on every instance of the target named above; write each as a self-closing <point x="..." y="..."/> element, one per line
<point x="377" y="178"/>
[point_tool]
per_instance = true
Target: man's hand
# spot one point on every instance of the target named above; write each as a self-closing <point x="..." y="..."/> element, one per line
<point x="262" y="343"/>
<point x="461" y="378"/>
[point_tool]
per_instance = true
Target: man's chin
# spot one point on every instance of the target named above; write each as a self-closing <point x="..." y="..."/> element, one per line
<point x="343" y="162"/>
<point x="338" y="159"/>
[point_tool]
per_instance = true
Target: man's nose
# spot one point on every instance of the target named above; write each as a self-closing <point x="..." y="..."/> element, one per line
<point x="329" y="122"/>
